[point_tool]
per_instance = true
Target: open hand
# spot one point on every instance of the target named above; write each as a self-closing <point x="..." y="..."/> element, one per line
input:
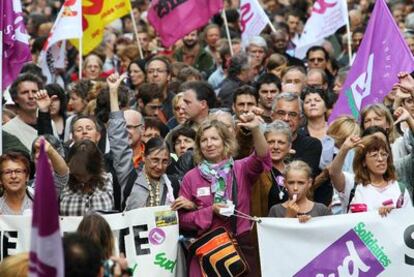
<point x="43" y="100"/>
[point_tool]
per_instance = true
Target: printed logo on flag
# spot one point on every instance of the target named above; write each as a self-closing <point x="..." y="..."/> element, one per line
<point x="356" y="253"/>
<point x="360" y="88"/>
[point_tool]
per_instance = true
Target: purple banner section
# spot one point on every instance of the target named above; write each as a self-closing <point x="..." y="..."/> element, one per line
<point x="348" y="256"/>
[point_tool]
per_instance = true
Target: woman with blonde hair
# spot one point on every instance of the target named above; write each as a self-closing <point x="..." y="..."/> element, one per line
<point x="379" y="115"/>
<point x="180" y="117"/>
<point x="217" y="179"/>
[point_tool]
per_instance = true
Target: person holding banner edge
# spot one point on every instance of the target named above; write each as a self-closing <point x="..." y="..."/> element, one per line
<point x="298" y="181"/>
<point x="374" y="185"/>
<point x="210" y="184"/>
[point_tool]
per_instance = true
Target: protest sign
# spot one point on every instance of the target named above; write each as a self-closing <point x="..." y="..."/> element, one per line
<point x="362" y="244"/>
<point x="149" y="235"/>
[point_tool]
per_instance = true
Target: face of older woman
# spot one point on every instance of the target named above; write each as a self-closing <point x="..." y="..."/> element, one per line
<point x="374" y="119"/>
<point x="92" y="68"/>
<point x="156" y="163"/>
<point x="279" y="146"/>
<point x="212" y="145"/>
<point x="313" y="106"/>
<point x="13" y="177"/>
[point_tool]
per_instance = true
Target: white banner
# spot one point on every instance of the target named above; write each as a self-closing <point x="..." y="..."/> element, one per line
<point x="253" y="19"/>
<point x="151" y="237"/>
<point x="362" y="244"/>
<point x="327" y="17"/>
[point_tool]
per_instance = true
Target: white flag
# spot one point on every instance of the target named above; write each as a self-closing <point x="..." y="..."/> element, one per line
<point x="68" y="25"/>
<point x="253" y="19"/>
<point x="326" y="18"/>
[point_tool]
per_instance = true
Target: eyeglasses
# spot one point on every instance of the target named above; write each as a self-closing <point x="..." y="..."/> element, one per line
<point x="319" y="60"/>
<point x="18" y="172"/>
<point x="130" y="127"/>
<point x="377" y="155"/>
<point x="282" y="114"/>
<point x="157" y="161"/>
<point x="156" y="70"/>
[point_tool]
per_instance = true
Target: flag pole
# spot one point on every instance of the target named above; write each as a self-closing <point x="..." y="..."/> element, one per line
<point x="226" y="25"/>
<point x="348" y="35"/>
<point x="1" y="89"/>
<point x="134" y="25"/>
<point x="268" y="19"/>
<point x="80" y="58"/>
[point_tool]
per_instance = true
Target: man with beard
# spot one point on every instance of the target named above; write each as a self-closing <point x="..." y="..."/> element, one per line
<point x="193" y="54"/>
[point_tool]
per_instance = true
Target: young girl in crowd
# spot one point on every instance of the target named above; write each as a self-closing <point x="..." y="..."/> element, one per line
<point x="298" y="181"/>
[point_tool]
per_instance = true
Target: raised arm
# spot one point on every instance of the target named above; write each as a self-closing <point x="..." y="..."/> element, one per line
<point x="44" y="122"/>
<point x="252" y="122"/>
<point x="118" y="136"/>
<point x="335" y="171"/>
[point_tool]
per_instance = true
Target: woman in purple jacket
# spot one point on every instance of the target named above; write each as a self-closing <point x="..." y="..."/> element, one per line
<point x="209" y="185"/>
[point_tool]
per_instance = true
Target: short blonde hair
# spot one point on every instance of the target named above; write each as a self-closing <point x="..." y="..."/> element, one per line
<point x="229" y="140"/>
<point x="343" y="127"/>
<point x="298" y="165"/>
<point x="15" y="266"/>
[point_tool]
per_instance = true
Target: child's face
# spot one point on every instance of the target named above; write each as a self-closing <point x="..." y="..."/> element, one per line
<point x="297" y="182"/>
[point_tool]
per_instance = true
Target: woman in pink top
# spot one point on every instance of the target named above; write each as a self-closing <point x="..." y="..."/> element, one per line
<point x="209" y="185"/>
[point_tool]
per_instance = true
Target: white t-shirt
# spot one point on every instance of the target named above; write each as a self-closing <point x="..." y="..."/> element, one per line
<point x="372" y="196"/>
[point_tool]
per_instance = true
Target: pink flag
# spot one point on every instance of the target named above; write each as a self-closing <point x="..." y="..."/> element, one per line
<point x="382" y="55"/>
<point x="16" y="51"/>
<point x="46" y="251"/>
<point x="174" y="19"/>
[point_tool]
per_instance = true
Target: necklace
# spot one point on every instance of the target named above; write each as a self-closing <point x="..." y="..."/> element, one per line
<point x="154" y="192"/>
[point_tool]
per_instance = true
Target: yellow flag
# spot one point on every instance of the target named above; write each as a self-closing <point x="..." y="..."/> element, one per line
<point x="96" y="14"/>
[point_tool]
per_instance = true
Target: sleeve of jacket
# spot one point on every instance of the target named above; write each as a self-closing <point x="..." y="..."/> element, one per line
<point x="44" y="124"/>
<point x="200" y="219"/>
<point x="120" y="149"/>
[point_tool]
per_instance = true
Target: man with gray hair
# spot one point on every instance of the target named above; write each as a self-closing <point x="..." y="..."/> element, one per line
<point x="257" y="51"/>
<point x="240" y="72"/>
<point x="288" y="108"/>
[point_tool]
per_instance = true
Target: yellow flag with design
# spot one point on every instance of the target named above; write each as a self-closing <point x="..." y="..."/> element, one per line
<point x="96" y="14"/>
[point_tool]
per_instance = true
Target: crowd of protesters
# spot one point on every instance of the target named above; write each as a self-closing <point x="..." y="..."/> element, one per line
<point x="181" y="126"/>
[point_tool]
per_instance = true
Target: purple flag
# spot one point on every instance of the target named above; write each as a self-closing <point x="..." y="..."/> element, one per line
<point x="46" y="250"/>
<point x="175" y="20"/>
<point x="16" y="49"/>
<point x="383" y="53"/>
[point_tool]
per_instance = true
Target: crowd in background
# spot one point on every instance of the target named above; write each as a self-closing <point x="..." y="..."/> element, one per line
<point x="186" y="125"/>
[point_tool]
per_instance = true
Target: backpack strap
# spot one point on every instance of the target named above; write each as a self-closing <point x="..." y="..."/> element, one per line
<point x="351" y="196"/>
<point x="400" y="201"/>
<point x="128" y="187"/>
<point x="402" y="187"/>
<point x="233" y="218"/>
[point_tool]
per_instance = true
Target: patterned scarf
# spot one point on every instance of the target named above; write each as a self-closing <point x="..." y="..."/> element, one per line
<point x="217" y="175"/>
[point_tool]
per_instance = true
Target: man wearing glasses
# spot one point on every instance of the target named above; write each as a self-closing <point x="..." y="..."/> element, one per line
<point x="288" y="107"/>
<point x="158" y="72"/>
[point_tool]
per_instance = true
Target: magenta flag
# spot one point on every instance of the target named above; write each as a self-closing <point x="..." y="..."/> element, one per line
<point x="15" y="41"/>
<point x="174" y="19"/>
<point x="383" y="53"/>
<point x="46" y="250"/>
